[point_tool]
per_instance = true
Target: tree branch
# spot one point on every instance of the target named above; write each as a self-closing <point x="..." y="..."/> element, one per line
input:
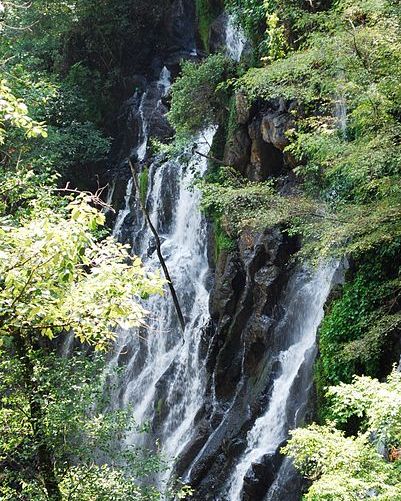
<point x="209" y="157"/>
<point x="158" y="250"/>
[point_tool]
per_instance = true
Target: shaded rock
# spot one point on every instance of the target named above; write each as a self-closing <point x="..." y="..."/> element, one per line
<point x="238" y="149"/>
<point x="276" y="121"/>
<point x="260" y="477"/>
<point x="217" y="37"/>
<point x="243" y="108"/>
<point x="265" y="160"/>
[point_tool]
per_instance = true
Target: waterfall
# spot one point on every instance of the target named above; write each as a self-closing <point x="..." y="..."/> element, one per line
<point x="162" y="87"/>
<point x="164" y="378"/>
<point x="235" y="39"/>
<point x="304" y="301"/>
<point x="123" y="213"/>
<point x="163" y="369"/>
<point x="109" y="198"/>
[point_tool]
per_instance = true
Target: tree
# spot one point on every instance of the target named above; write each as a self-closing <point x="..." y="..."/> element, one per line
<point x="348" y="468"/>
<point x="56" y="278"/>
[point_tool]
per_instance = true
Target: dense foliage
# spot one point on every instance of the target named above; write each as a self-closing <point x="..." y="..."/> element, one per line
<point x="64" y="284"/>
<point x="198" y="98"/>
<point x="338" y="64"/>
<point x="347" y="468"/>
<point x="72" y="428"/>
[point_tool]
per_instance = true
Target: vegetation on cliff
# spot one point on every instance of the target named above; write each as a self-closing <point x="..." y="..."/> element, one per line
<point x="338" y="65"/>
<point x="59" y="271"/>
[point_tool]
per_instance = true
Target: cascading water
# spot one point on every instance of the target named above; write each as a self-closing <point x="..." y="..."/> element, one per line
<point x="164" y="373"/>
<point x="121" y="216"/>
<point x="235" y="39"/>
<point x="305" y="298"/>
<point x="167" y="357"/>
<point x="165" y="379"/>
<point x="162" y="87"/>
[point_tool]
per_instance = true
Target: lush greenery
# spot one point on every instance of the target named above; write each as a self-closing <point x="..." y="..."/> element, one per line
<point x="57" y="278"/>
<point x="361" y="328"/>
<point x="63" y="282"/>
<point x="198" y="98"/>
<point x="70" y="427"/>
<point x="347" y="468"/>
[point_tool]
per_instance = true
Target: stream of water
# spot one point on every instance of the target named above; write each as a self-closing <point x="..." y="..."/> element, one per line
<point x="304" y="301"/>
<point x="164" y="378"/>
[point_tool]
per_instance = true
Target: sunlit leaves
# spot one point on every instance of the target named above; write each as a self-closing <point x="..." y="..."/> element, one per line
<point x="352" y="468"/>
<point x="56" y="277"/>
<point x="15" y="112"/>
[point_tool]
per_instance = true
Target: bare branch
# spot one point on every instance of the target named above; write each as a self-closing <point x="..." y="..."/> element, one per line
<point x="158" y="250"/>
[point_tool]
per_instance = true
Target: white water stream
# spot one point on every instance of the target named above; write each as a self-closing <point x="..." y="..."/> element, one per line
<point x="164" y="376"/>
<point x="165" y="354"/>
<point x="235" y="39"/>
<point x="305" y="300"/>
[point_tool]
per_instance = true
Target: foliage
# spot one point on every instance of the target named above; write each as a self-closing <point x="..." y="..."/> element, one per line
<point x="78" y="428"/>
<point x="240" y="203"/>
<point x="251" y="15"/>
<point x="56" y="277"/>
<point x="270" y="25"/>
<point x="222" y="242"/>
<point x="198" y="99"/>
<point x="344" y="79"/>
<point x="351" y="468"/>
<point x="65" y="143"/>
<point x="361" y="326"/>
<point x="15" y="111"/>
<point x="71" y="147"/>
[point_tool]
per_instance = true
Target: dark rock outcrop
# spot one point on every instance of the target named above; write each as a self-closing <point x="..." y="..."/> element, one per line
<point x="245" y="307"/>
<point x="217" y="37"/>
<point x="256" y="145"/>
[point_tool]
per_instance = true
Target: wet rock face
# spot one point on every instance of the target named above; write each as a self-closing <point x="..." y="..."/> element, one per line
<point x="242" y="346"/>
<point x="260" y="477"/>
<point x="256" y="146"/>
<point x="177" y="26"/>
<point x="238" y="149"/>
<point x="244" y="306"/>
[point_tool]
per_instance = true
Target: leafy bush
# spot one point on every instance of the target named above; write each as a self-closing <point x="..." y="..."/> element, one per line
<point x="355" y="335"/>
<point x="344" y="468"/>
<point x="66" y="388"/>
<point x="198" y="98"/>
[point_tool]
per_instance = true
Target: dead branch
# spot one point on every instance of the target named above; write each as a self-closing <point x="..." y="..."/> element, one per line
<point x="158" y="250"/>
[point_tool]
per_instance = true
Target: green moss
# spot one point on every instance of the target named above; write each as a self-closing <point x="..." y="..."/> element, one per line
<point x="143" y="184"/>
<point x="159" y="406"/>
<point x="206" y="11"/>
<point x="222" y="242"/>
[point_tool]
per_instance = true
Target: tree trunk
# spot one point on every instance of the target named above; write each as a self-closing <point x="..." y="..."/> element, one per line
<point x="34" y="395"/>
